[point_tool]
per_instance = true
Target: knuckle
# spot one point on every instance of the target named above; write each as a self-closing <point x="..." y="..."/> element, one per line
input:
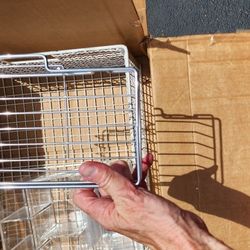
<point x="106" y="179"/>
<point x="134" y="195"/>
<point x="132" y="200"/>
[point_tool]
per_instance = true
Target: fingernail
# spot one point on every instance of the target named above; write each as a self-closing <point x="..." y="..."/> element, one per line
<point x="87" y="171"/>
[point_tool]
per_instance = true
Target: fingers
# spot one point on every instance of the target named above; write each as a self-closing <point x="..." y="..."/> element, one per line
<point x="88" y="201"/>
<point x="147" y="162"/>
<point x="111" y="182"/>
<point x="122" y="168"/>
<point x="114" y="180"/>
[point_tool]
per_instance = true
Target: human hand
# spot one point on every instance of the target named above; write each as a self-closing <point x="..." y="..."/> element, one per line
<point x="137" y="213"/>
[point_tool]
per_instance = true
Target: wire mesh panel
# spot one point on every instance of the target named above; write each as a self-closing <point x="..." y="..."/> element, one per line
<point x="51" y="121"/>
<point x="55" y="114"/>
<point x="50" y="125"/>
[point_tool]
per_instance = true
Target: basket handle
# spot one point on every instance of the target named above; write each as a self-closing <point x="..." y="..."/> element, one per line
<point x="25" y="57"/>
<point x="45" y="62"/>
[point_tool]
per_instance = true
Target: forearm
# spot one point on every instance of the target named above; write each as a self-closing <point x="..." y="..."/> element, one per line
<point x="188" y="242"/>
<point x="184" y="234"/>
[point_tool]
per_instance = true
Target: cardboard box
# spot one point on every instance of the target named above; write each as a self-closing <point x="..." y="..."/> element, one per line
<point x="202" y="115"/>
<point x="197" y="99"/>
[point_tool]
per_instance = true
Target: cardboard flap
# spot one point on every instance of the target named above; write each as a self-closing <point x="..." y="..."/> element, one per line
<point x="31" y="26"/>
<point x="140" y="6"/>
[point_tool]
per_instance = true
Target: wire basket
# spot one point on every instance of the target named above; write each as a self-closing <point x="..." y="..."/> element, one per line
<point x="57" y="110"/>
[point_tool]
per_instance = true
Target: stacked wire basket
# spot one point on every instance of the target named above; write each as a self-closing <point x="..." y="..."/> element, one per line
<point x="58" y="109"/>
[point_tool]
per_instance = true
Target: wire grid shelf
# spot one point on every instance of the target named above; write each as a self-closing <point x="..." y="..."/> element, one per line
<point x="56" y="111"/>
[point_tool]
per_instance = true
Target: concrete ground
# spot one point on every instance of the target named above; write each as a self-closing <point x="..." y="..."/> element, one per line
<point x="185" y="17"/>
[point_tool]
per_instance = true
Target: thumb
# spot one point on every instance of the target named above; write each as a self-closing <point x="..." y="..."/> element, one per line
<point x="113" y="183"/>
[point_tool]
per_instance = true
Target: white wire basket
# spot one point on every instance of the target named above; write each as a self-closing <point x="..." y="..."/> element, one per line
<point x="57" y="110"/>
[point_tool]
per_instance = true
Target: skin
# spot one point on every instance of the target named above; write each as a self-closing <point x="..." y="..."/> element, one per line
<point x="133" y="211"/>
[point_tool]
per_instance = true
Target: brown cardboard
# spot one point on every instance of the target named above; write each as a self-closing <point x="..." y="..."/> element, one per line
<point x="202" y="112"/>
<point x="33" y="26"/>
<point x="140" y="6"/>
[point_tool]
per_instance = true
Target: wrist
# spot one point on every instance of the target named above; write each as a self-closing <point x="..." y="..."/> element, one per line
<point x="171" y="232"/>
<point x="183" y="233"/>
<point x="181" y="239"/>
<point x="177" y="238"/>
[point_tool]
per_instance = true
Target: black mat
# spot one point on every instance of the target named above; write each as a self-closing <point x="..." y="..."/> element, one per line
<point x="185" y="17"/>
